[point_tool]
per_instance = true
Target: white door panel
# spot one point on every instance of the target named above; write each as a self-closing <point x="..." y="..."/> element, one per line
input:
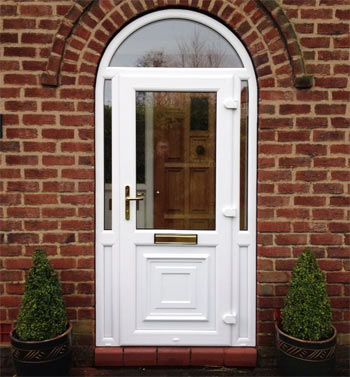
<point x="176" y="294"/>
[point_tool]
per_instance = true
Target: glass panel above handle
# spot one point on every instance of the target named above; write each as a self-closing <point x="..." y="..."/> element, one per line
<point x="175" y="159"/>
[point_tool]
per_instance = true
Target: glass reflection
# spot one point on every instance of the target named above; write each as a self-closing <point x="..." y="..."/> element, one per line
<point x="176" y="43"/>
<point x="107" y="107"/>
<point x="244" y="157"/>
<point x="175" y="160"/>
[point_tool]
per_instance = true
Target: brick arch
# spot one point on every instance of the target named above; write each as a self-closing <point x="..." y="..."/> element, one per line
<point x="260" y="24"/>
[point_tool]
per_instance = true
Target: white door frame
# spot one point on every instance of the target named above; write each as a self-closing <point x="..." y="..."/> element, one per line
<point x="107" y="241"/>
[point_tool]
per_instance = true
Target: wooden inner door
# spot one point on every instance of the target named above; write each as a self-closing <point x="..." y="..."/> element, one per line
<point x="176" y="157"/>
<point x="184" y="160"/>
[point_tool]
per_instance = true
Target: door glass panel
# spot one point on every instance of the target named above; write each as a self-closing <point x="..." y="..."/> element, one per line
<point x="107" y="108"/>
<point x="176" y="43"/>
<point x="175" y="160"/>
<point x="243" y="214"/>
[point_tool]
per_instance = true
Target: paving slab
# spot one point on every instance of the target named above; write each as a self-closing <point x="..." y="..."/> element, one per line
<point x="172" y="372"/>
<point x="184" y="372"/>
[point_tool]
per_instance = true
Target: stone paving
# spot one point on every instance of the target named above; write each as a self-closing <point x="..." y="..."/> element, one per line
<point x="184" y="372"/>
<point x="173" y="372"/>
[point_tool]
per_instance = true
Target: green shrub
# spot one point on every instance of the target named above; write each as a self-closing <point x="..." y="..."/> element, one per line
<point x="42" y="314"/>
<point x="307" y="311"/>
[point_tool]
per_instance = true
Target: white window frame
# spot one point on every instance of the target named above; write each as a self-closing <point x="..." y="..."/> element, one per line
<point x="107" y="280"/>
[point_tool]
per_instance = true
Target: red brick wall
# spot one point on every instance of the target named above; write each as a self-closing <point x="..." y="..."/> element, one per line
<point x="47" y="149"/>
<point x="304" y="146"/>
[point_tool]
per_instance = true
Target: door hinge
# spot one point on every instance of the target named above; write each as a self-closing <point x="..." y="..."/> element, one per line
<point x="230" y="103"/>
<point x="230" y="319"/>
<point x="230" y="212"/>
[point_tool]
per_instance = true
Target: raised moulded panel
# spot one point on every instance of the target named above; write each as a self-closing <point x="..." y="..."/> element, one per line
<point x="243" y="292"/>
<point x="107" y="299"/>
<point x="175" y="285"/>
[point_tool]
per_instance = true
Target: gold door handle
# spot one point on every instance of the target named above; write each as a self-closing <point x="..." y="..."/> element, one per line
<point x="127" y="201"/>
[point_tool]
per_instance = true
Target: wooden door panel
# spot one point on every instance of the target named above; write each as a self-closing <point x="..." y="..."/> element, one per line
<point x="174" y="201"/>
<point x="174" y="223"/>
<point x="184" y="161"/>
<point x="200" y="224"/>
<point x="169" y="138"/>
<point x="175" y="139"/>
<point x="200" y="149"/>
<point x="199" y="191"/>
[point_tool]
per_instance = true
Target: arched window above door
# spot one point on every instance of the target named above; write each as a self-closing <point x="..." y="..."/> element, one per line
<point x="176" y="43"/>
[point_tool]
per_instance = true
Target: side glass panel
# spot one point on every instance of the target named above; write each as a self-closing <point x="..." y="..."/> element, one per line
<point x="107" y="107"/>
<point x="243" y="221"/>
<point x="176" y="43"/>
<point x="175" y="160"/>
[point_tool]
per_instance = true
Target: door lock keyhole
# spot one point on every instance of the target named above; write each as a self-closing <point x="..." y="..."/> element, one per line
<point x="200" y="150"/>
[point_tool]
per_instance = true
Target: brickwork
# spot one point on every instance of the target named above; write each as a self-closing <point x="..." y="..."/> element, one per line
<point x="49" y="55"/>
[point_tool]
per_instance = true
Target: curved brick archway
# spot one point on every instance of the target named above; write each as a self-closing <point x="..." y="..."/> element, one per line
<point x="262" y="26"/>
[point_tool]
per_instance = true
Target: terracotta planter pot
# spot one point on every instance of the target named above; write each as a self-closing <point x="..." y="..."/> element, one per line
<point x="50" y="357"/>
<point x="297" y="357"/>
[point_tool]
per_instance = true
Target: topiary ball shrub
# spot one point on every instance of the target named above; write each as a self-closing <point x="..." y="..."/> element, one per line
<point x="42" y="314"/>
<point x="307" y="311"/>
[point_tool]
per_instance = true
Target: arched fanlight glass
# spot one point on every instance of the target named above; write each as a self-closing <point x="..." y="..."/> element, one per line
<point x="176" y="43"/>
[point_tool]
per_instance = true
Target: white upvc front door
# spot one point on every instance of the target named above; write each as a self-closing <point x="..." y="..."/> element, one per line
<point x="177" y="293"/>
<point x="176" y="269"/>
